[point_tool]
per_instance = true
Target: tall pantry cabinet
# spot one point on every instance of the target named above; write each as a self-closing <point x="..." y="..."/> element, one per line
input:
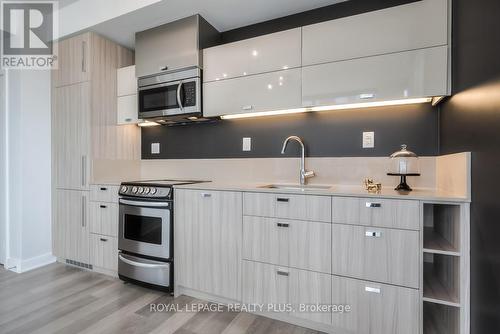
<point x="84" y="129"/>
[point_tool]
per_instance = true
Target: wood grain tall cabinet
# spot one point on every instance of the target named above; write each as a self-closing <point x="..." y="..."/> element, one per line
<point x="84" y="129"/>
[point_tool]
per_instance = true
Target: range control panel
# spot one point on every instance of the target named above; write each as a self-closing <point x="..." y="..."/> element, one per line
<point x="145" y="191"/>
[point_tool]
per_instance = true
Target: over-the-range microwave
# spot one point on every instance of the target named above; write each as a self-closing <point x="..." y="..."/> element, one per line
<point x="173" y="95"/>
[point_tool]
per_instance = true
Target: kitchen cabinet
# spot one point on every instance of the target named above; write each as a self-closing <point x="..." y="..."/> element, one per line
<point x="266" y="284"/>
<point x="127" y="105"/>
<point x="208" y="241"/>
<point x="410" y="74"/>
<point x="71" y="136"/>
<point x="299" y="244"/>
<point x="70" y="237"/>
<point x="104" y="218"/>
<point x="379" y="212"/>
<point x="376" y="254"/>
<point x="261" y="92"/>
<point x="104" y="253"/>
<point x="83" y="131"/>
<point x="288" y="206"/>
<point x="74" y="61"/>
<point x="375" y="308"/>
<point x="421" y="24"/>
<point x="272" y="52"/>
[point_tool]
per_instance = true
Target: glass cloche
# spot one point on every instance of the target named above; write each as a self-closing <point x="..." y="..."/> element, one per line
<point x="404" y="163"/>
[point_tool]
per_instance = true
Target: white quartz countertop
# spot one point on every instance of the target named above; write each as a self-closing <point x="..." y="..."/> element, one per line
<point x="334" y="190"/>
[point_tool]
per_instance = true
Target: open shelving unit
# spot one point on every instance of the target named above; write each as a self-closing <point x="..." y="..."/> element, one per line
<point x="445" y="268"/>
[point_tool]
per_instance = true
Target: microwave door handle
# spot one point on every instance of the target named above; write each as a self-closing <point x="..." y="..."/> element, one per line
<point x="179" y="101"/>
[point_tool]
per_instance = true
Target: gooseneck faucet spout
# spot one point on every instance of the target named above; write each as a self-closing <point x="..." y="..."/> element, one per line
<point x="303" y="174"/>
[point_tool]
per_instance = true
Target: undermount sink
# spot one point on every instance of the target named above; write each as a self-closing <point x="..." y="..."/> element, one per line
<point x="296" y="187"/>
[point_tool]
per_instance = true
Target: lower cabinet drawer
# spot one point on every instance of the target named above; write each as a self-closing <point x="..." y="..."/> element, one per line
<point x="376" y="254"/>
<point x="104" y="193"/>
<point x="375" y="308"/>
<point x="392" y="213"/>
<point x="288" y="206"/>
<point x="295" y="243"/>
<point x="104" y="218"/>
<point x="104" y="252"/>
<point x="298" y="293"/>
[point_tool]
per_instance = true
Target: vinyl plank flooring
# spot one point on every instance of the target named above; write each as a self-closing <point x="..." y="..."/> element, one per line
<point x="60" y="299"/>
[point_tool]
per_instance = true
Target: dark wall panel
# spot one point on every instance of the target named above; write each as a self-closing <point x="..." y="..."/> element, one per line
<point x="470" y="121"/>
<point x="326" y="134"/>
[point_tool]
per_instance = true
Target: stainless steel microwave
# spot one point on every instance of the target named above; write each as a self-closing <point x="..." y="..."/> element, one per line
<point x="171" y="95"/>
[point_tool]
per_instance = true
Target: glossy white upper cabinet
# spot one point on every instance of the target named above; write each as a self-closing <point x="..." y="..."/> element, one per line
<point x="411" y="74"/>
<point x="411" y="26"/>
<point x="127" y="106"/>
<point x="261" y="92"/>
<point x="273" y="52"/>
<point x="126" y="81"/>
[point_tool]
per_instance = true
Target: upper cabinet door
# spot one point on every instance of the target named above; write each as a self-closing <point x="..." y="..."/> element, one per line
<point x="261" y="92"/>
<point x="73" y="61"/>
<point x="168" y="47"/>
<point x="412" y="74"/>
<point x="71" y="136"/>
<point x="412" y="26"/>
<point x="262" y="54"/>
<point x="126" y="81"/>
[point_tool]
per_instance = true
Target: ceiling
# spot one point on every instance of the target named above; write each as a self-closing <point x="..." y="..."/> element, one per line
<point x="222" y="14"/>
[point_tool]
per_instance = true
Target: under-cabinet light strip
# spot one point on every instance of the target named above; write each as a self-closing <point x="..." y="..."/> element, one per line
<point x="333" y="107"/>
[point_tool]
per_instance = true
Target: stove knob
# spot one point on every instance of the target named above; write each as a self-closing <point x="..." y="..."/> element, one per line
<point x="140" y="190"/>
<point x="152" y="191"/>
<point x="146" y="191"/>
<point x="124" y="189"/>
<point x="134" y="190"/>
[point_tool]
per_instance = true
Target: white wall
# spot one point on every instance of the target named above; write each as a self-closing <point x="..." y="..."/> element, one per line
<point x="29" y="169"/>
<point x="82" y="14"/>
<point x="3" y="165"/>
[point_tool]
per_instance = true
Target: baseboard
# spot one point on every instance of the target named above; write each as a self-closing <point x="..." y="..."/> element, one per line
<point x="21" y="266"/>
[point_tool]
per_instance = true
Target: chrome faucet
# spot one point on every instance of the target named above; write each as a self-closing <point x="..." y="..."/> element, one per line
<point x="303" y="174"/>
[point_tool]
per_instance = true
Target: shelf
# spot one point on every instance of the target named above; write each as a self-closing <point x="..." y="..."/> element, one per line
<point x="441" y="319"/>
<point x="441" y="288"/>
<point x="437" y="244"/>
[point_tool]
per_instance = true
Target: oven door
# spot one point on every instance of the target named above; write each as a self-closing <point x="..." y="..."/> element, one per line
<point x="145" y="228"/>
<point x="170" y="99"/>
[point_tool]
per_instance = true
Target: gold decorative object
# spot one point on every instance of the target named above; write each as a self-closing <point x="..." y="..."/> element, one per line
<point x="371" y="186"/>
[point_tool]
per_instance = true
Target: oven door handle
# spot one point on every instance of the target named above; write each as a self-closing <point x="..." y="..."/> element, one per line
<point x="139" y="264"/>
<point x="147" y="204"/>
<point x="179" y="100"/>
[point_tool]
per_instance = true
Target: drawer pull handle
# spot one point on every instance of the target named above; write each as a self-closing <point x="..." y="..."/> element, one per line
<point x="104" y="189"/>
<point x="373" y="205"/>
<point x="250" y="107"/>
<point x="365" y="96"/>
<point x="103" y="239"/>
<point x="283" y="225"/>
<point x="282" y="273"/>
<point x="206" y="195"/>
<point x="281" y="199"/>
<point x="103" y="206"/>
<point x="372" y="289"/>
<point x="373" y="234"/>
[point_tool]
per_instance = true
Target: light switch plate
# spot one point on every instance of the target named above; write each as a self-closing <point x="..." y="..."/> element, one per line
<point x="369" y="139"/>
<point x="155" y="148"/>
<point x="247" y="144"/>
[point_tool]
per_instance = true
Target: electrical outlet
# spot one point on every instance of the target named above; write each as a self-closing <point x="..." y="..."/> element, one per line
<point x="247" y="144"/>
<point x="155" y="148"/>
<point x="369" y="139"/>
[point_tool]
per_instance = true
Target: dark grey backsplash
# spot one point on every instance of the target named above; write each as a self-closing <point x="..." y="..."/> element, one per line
<point x="326" y="134"/>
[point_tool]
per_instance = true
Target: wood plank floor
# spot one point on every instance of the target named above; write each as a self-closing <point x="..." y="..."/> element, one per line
<point x="63" y="300"/>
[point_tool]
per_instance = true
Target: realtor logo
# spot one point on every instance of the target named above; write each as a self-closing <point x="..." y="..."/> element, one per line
<point x="28" y="31"/>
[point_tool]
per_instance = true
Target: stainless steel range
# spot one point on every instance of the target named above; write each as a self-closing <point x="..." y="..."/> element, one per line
<point x="145" y="238"/>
